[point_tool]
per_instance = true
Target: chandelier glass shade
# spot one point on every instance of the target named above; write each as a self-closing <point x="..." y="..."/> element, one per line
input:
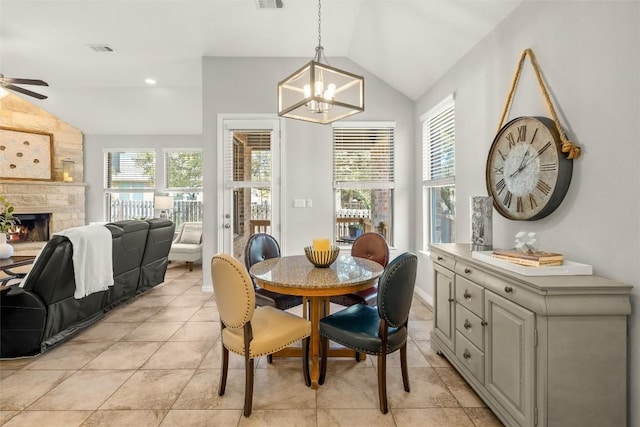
<point x="320" y="93"/>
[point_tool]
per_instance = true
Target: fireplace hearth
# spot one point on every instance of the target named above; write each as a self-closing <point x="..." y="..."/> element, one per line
<point x="31" y="228"/>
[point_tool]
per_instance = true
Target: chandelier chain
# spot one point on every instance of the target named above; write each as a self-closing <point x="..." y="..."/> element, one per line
<point x="319" y="28"/>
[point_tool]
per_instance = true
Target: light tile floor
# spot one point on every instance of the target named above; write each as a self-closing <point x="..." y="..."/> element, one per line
<point x="154" y="361"/>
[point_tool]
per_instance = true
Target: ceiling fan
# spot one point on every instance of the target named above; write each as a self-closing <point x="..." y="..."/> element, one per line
<point x="9" y="84"/>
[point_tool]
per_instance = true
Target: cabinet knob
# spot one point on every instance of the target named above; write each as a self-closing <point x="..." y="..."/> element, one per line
<point x="450" y="300"/>
<point x="440" y="258"/>
<point x="484" y="323"/>
<point x="466" y="295"/>
<point x="467" y="271"/>
<point x="467" y="324"/>
<point x="466" y="354"/>
<point x="508" y="289"/>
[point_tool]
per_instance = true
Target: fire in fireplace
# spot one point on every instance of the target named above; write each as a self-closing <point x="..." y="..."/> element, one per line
<point x="31" y="228"/>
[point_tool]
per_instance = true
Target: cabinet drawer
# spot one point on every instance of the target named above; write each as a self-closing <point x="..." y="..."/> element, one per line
<point x="470" y="356"/>
<point x="470" y="325"/>
<point x="470" y="295"/>
<point x="470" y="272"/>
<point x="443" y="259"/>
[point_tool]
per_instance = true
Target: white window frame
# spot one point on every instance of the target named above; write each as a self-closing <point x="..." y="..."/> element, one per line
<point x="114" y="190"/>
<point x="373" y="185"/>
<point x="428" y="182"/>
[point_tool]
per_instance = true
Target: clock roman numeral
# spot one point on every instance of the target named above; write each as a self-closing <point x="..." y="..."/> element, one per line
<point x="500" y="186"/>
<point x="548" y="167"/>
<point x="542" y="150"/>
<point x="511" y="139"/>
<point x="502" y="155"/>
<point x="522" y="133"/>
<point x="532" y="201"/>
<point x="543" y="187"/>
<point x="534" y="135"/>
<point x="519" y="207"/>
<point x="507" y="199"/>
<point x="498" y="171"/>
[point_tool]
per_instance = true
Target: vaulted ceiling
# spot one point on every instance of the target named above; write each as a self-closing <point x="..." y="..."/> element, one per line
<point x="407" y="43"/>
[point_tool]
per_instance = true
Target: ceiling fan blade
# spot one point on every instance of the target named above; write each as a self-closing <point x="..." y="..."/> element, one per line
<point x="9" y="80"/>
<point x="24" y="91"/>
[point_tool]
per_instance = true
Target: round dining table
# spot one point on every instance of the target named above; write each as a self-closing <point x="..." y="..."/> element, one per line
<point x="295" y="275"/>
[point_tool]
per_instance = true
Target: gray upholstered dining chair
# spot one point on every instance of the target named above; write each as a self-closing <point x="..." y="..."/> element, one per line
<point x="377" y="330"/>
<point x="249" y="330"/>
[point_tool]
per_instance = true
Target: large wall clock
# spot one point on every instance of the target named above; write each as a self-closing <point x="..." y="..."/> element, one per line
<point x="527" y="174"/>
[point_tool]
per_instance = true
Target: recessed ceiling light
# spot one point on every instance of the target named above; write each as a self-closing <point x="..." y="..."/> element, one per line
<point x="150" y="81"/>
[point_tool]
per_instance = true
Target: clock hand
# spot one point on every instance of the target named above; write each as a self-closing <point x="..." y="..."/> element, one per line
<point x="522" y="164"/>
<point x="531" y="158"/>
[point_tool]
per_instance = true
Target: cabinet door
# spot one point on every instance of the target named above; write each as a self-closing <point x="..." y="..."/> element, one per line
<point x="510" y="356"/>
<point x="445" y="324"/>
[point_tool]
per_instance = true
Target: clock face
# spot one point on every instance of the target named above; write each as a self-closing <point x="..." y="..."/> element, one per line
<point x="527" y="174"/>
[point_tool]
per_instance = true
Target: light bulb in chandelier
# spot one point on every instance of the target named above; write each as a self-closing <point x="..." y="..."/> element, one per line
<point x="319" y="91"/>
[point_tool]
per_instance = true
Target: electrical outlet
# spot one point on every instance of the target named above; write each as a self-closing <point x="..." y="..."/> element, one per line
<point x="309" y="203"/>
<point x="298" y="203"/>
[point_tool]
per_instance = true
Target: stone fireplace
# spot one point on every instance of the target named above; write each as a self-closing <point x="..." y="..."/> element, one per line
<point x="63" y="201"/>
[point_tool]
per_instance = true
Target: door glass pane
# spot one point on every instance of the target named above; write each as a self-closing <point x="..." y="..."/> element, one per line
<point x="250" y="168"/>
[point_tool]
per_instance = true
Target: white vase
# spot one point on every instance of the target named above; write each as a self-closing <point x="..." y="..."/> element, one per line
<point x="6" y="250"/>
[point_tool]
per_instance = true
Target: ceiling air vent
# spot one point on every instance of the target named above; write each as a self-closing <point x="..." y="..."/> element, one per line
<point x="269" y="4"/>
<point x="101" y="47"/>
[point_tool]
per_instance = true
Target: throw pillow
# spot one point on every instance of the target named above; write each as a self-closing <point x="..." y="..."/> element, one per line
<point x="191" y="234"/>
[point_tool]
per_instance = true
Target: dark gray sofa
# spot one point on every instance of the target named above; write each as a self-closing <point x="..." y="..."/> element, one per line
<point x="44" y="312"/>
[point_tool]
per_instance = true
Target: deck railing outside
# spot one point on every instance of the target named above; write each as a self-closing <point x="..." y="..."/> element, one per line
<point x="183" y="210"/>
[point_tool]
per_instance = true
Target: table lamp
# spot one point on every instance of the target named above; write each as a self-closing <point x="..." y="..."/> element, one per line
<point x="164" y="204"/>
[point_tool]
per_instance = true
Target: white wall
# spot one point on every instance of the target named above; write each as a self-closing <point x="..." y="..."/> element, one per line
<point x="589" y="53"/>
<point x="94" y="146"/>
<point x="249" y="85"/>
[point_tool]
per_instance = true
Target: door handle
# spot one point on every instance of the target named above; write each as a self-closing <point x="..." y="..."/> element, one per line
<point x="227" y="226"/>
<point x="466" y="295"/>
<point x="467" y="324"/>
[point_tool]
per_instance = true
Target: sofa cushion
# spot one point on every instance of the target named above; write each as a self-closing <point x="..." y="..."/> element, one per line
<point x="191" y="234"/>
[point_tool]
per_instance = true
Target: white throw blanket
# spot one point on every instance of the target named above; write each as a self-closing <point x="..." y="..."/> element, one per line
<point x="92" y="263"/>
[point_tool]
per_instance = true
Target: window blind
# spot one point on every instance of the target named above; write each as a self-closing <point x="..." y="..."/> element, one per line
<point x="247" y="161"/>
<point x="363" y="157"/>
<point x="438" y="144"/>
<point x="130" y="169"/>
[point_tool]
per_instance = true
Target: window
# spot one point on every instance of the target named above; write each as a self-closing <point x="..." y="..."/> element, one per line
<point x="183" y="182"/>
<point x="438" y="173"/>
<point x="363" y="180"/>
<point x="129" y="184"/>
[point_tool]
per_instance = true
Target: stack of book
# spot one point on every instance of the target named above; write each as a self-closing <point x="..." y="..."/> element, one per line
<point x="530" y="258"/>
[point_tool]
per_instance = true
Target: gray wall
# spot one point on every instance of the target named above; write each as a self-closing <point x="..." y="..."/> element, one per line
<point x="249" y="85"/>
<point x="589" y="53"/>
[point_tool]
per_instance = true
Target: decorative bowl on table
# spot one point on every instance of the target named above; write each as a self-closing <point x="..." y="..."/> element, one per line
<point x="322" y="259"/>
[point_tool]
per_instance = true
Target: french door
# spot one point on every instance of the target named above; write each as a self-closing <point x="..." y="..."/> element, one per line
<point x="249" y="160"/>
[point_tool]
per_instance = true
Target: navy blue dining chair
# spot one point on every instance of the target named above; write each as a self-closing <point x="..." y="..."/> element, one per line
<point x="377" y="330"/>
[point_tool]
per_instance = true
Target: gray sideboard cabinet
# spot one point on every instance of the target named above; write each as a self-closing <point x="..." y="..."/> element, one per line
<point x="539" y="350"/>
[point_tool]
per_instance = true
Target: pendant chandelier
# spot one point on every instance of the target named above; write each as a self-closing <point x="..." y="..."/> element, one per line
<point x="320" y="93"/>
